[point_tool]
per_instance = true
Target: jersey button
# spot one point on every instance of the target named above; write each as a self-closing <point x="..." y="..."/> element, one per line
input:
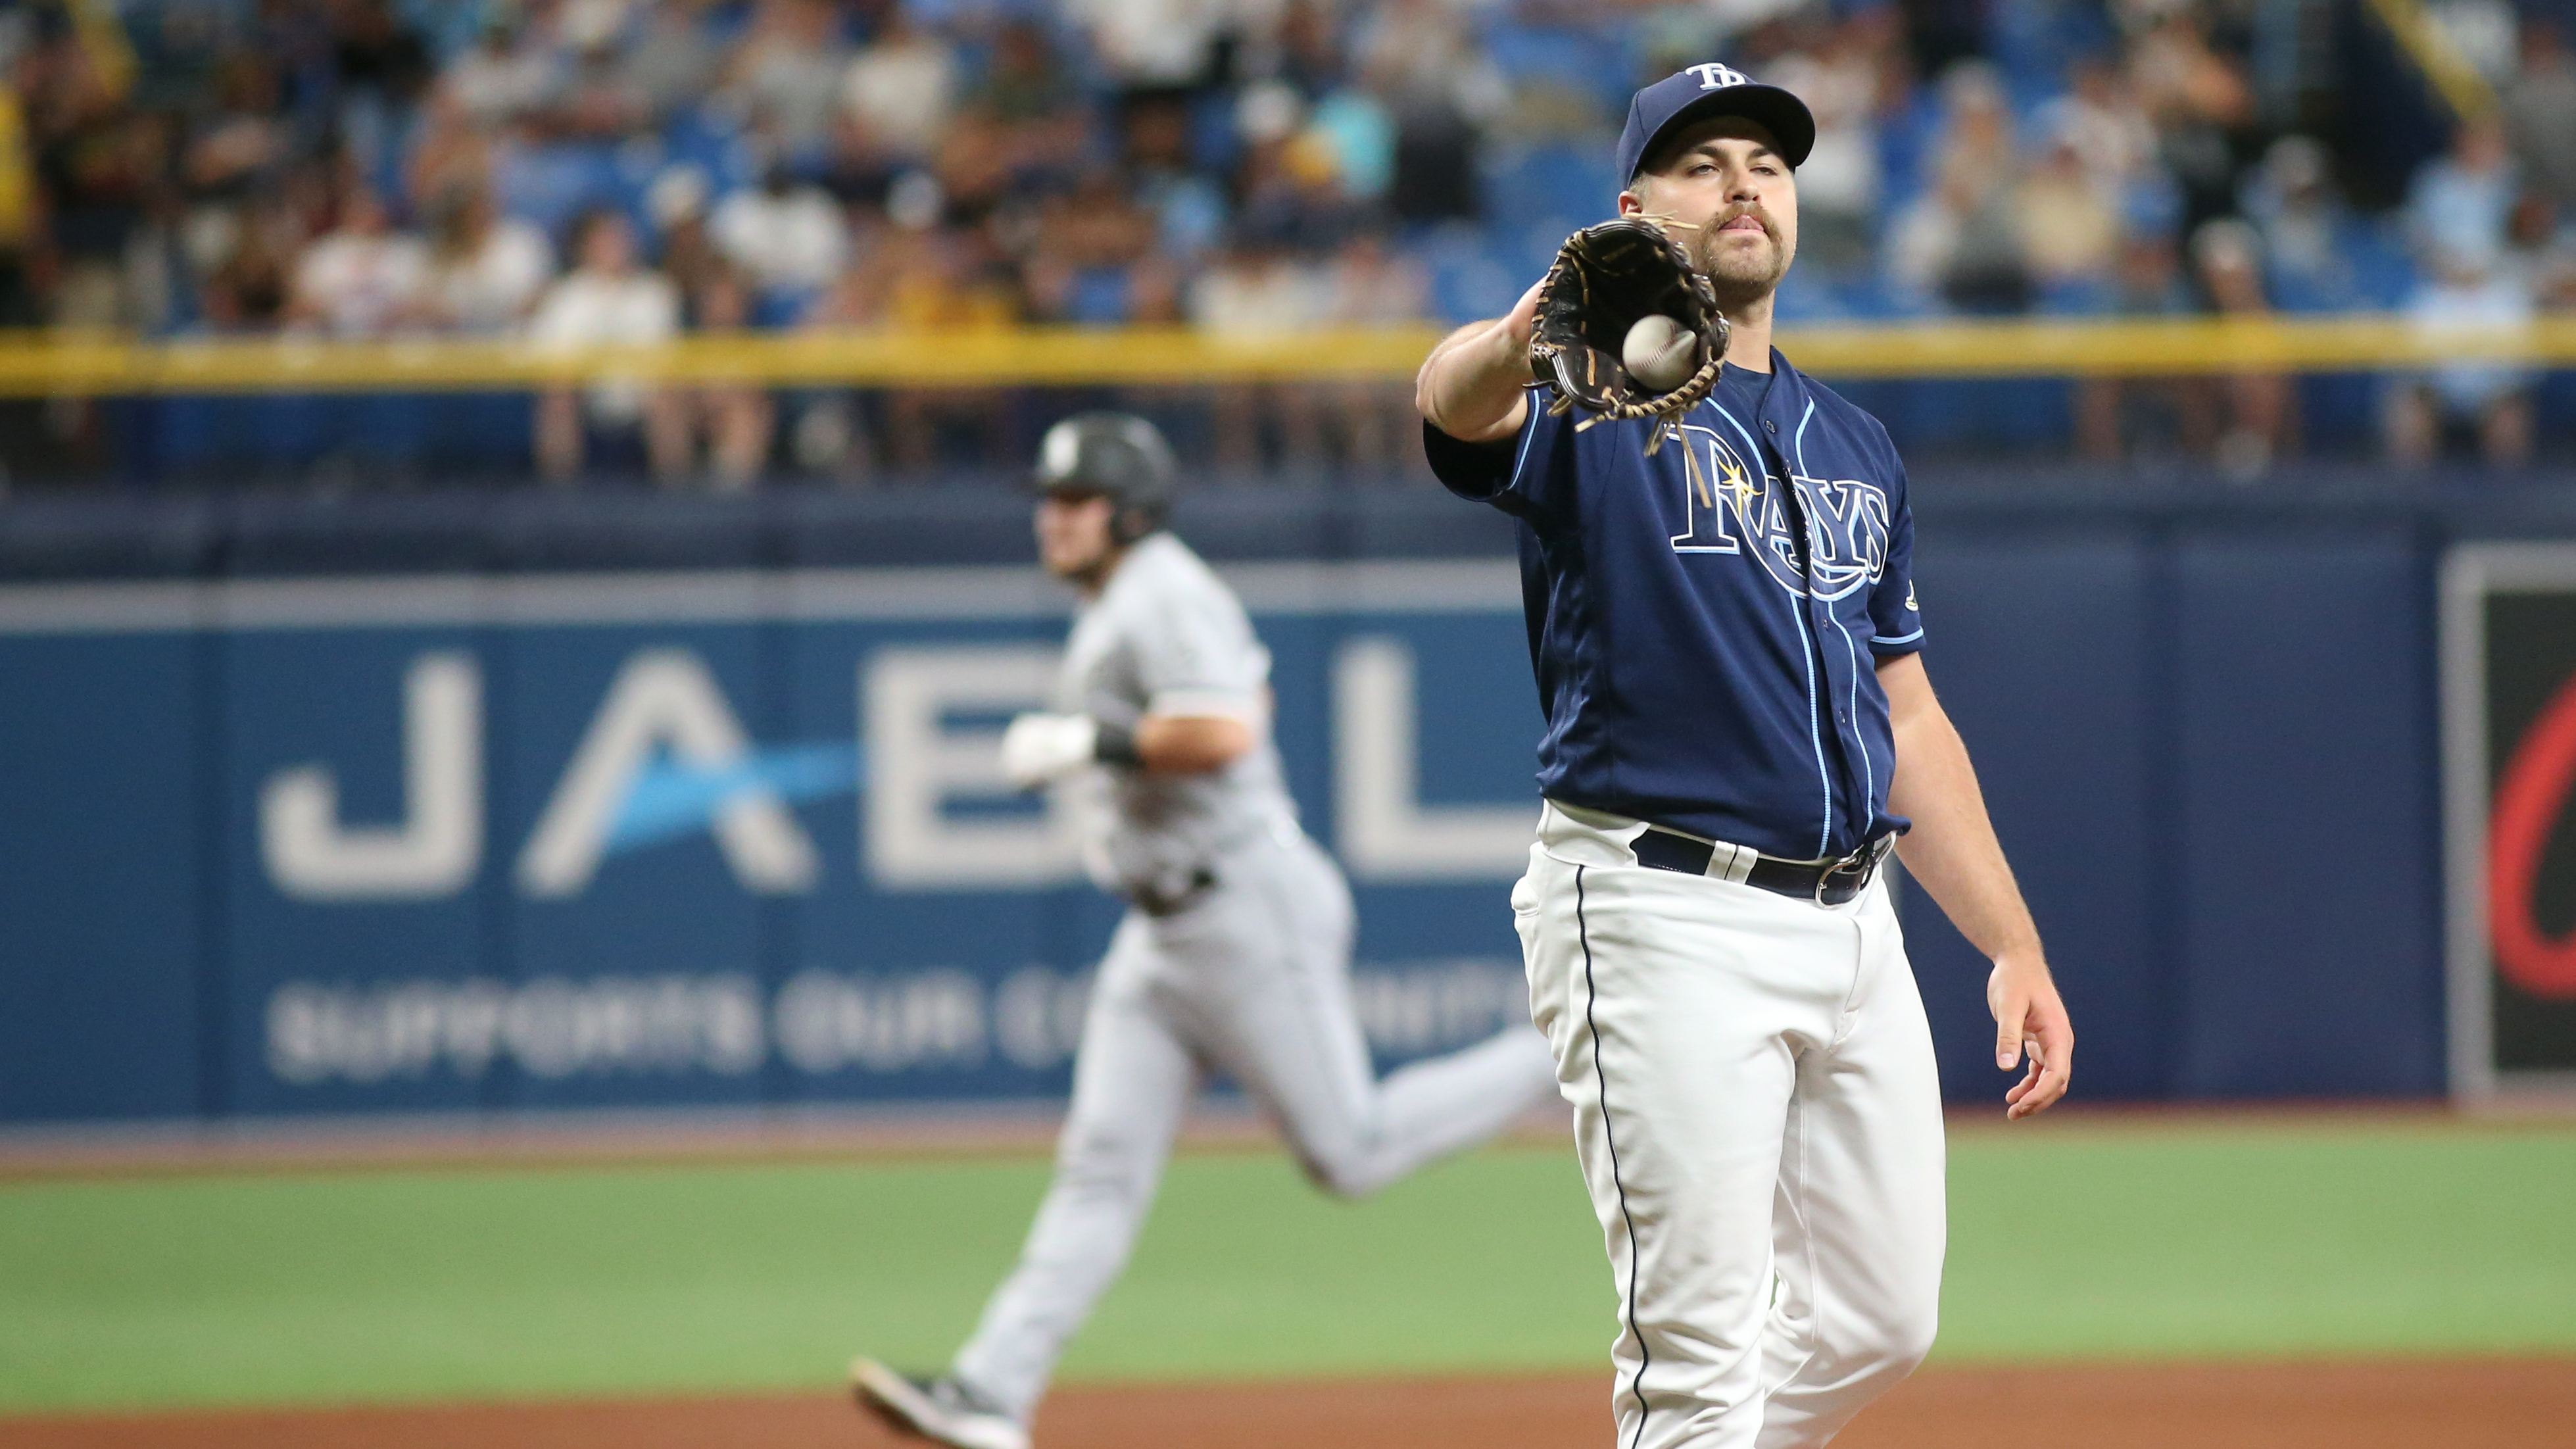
<point x="1769" y="426"/>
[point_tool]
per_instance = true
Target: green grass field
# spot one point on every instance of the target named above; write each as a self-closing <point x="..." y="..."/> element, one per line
<point x="2090" y="1241"/>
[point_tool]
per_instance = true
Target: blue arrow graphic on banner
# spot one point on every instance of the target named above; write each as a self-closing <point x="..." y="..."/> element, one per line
<point x="670" y="799"/>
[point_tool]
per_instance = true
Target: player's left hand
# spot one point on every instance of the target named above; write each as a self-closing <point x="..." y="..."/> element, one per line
<point x="2032" y="1031"/>
<point x="1040" y="749"/>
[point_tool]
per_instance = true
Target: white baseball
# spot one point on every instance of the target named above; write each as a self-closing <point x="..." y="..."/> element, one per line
<point x="1660" y="353"/>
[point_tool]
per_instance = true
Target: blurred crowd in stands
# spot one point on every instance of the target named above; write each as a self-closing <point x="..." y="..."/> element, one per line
<point x="582" y="171"/>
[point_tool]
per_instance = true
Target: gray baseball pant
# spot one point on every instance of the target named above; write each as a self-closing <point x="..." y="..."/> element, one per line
<point x="1253" y="979"/>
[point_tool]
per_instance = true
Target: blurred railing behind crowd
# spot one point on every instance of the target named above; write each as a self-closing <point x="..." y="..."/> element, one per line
<point x="888" y="407"/>
<point x="1071" y="356"/>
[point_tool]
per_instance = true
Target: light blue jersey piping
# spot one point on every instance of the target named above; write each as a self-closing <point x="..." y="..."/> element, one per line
<point x="1807" y="654"/>
<point x="1868" y="772"/>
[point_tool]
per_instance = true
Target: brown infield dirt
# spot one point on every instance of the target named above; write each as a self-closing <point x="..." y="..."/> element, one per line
<point x="2371" y="1404"/>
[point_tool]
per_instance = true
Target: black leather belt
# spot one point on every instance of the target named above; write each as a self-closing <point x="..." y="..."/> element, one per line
<point x="1826" y="882"/>
<point x="1154" y="901"/>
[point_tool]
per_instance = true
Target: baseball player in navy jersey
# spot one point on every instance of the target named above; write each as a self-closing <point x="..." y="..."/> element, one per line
<point x="1738" y="728"/>
<point x="1234" y="953"/>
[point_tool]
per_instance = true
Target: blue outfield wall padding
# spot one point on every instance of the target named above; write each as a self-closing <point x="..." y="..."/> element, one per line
<point x="2035" y="641"/>
<point x="102" y="958"/>
<point x="2203" y="716"/>
<point x="2309" y="866"/>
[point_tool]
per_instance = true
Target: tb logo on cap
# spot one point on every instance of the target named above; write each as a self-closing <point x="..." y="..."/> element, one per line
<point x="1717" y="77"/>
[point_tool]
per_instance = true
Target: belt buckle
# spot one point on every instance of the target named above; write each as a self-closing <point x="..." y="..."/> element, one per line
<point x="1861" y="864"/>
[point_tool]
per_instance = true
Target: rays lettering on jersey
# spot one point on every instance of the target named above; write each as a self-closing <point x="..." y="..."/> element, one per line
<point x="1849" y="518"/>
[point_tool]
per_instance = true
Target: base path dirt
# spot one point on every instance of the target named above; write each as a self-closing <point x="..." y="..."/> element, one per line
<point x="2400" y="1404"/>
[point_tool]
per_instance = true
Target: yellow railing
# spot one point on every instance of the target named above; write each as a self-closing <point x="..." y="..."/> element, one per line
<point x="2180" y="347"/>
<point x="33" y="365"/>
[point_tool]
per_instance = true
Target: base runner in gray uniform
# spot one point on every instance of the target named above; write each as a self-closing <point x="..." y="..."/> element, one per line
<point x="1234" y="954"/>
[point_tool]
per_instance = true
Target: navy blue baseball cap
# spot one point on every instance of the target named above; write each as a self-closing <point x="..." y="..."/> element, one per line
<point x="1696" y="92"/>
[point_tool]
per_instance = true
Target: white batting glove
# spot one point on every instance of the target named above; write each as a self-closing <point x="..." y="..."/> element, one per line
<point x="1040" y="749"/>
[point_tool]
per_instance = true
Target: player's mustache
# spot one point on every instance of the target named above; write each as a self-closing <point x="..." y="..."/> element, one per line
<point x="1719" y="222"/>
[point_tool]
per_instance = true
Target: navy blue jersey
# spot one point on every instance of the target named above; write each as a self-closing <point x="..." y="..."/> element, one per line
<point x="1706" y="647"/>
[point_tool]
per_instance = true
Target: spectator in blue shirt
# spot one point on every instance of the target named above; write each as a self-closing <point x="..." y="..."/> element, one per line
<point x="2459" y="215"/>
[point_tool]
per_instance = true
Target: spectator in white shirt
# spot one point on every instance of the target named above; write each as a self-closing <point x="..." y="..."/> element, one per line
<point x="902" y="87"/>
<point x="363" y="278"/>
<point x="485" y="269"/>
<point x="608" y="300"/>
<point x="1147" y="44"/>
<point x="789" y="238"/>
<point x="504" y="76"/>
<point x="1261" y="288"/>
<point x="2100" y="117"/>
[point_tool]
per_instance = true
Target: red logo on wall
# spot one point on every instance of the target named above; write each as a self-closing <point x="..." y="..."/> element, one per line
<point x="2509" y="672"/>
<point x="2531" y="801"/>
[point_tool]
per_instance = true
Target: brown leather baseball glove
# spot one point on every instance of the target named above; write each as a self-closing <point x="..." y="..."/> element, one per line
<point x="1604" y="278"/>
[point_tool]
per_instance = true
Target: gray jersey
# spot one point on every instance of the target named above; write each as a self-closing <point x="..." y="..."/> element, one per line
<point x="1168" y="637"/>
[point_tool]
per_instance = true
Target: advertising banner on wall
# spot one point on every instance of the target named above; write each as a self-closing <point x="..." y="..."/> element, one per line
<point x="458" y="843"/>
<point x="2509" y="738"/>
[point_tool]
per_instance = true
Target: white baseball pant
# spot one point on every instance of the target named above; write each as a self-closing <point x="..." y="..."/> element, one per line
<point x="1758" y="1117"/>
<point x="1253" y="979"/>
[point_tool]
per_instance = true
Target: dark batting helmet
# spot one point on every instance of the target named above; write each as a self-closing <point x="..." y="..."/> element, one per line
<point x="1117" y="456"/>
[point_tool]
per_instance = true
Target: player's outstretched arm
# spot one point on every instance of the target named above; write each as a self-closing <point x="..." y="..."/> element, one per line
<point x="1040" y="749"/>
<point x="1190" y="744"/>
<point x="1952" y="850"/>
<point x="1472" y="385"/>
